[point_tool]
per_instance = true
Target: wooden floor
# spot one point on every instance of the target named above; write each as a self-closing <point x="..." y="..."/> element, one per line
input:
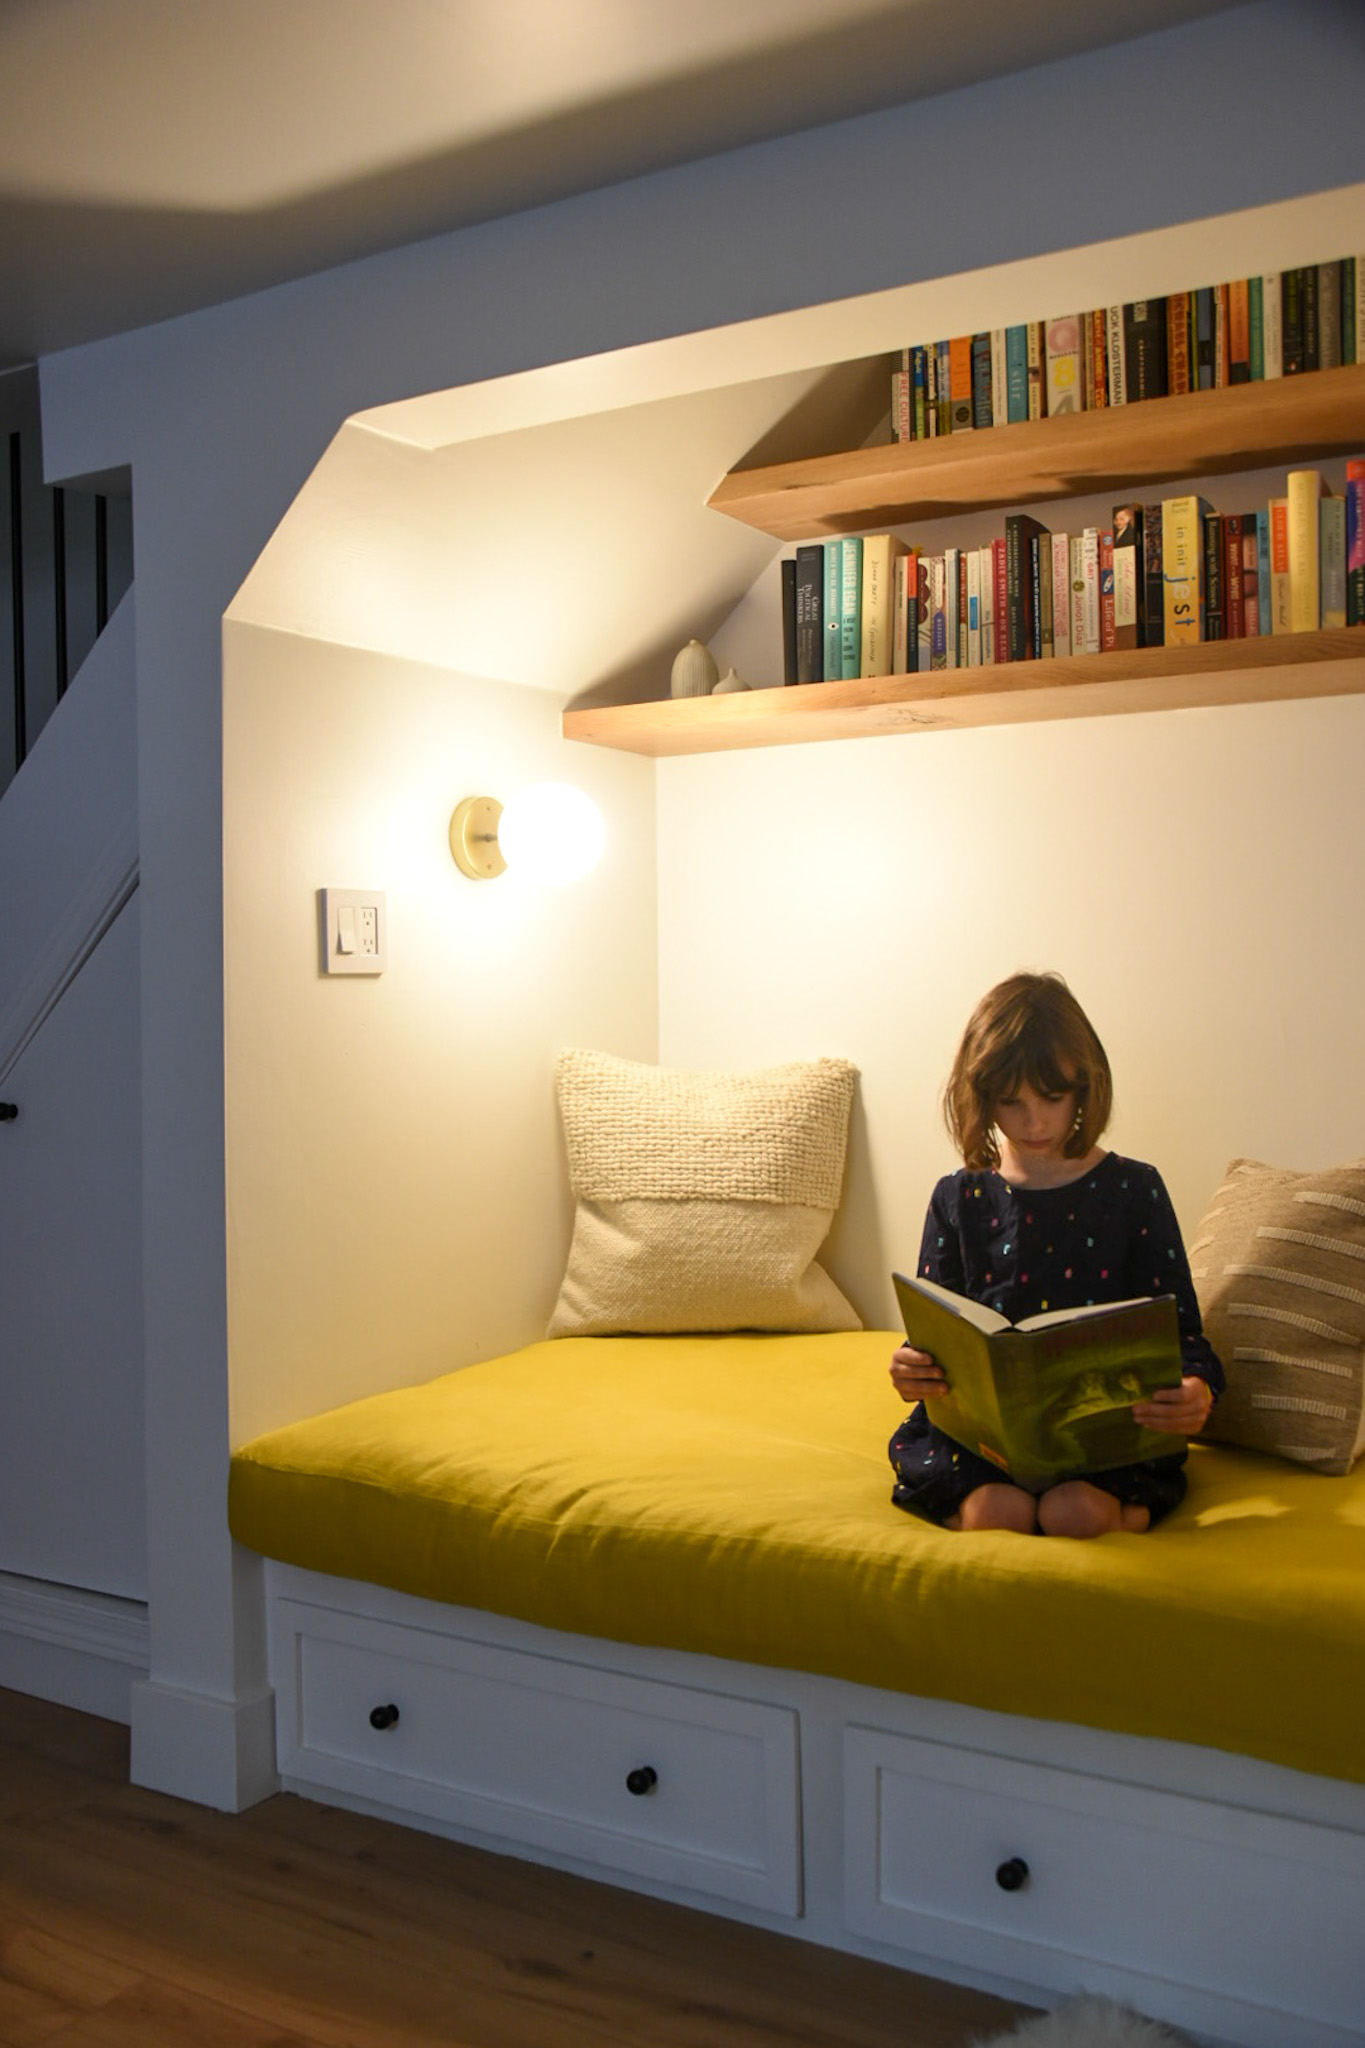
<point x="131" y="1920"/>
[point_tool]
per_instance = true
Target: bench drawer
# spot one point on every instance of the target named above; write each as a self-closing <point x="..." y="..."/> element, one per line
<point x="689" y="1787"/>
<point x="1001" y="1864"/>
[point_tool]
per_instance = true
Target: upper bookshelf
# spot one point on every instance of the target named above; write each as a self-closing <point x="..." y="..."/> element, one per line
<point x="1161" y="440"/>
<point x="1292" y="421"/>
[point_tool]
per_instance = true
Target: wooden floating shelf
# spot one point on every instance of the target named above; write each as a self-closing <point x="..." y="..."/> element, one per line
<point x="1161" y="440"/>
<point x="1327" y="664"/>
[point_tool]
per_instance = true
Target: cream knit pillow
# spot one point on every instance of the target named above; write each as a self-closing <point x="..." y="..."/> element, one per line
<point x="702" y="1199"/>
<point x="1279" y="1268"/>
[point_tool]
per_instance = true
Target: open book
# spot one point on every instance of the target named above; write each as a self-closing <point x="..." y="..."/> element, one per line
<point x="1053" y="1395"/>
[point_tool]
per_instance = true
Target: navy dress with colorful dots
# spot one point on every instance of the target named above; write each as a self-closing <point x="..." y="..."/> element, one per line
<point x="1109" y="1236"/>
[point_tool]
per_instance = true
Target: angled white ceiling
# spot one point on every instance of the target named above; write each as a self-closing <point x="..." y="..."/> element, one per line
<point x="157" y="156"/>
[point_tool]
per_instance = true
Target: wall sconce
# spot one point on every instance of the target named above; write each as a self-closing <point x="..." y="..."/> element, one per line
<point x="548" y="832"/>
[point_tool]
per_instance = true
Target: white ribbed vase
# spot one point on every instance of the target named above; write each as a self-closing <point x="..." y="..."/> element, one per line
<point x="695" y="673"/>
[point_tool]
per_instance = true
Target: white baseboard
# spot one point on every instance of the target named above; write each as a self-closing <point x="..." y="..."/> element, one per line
<point x="218" y="1752"/>
<point x="67" y="1644"/>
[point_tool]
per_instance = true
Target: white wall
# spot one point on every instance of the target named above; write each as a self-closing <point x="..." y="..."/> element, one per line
<point x="397" y="1194"/>
<point x="223" y="414"/>
<point x="1194" y="875"/>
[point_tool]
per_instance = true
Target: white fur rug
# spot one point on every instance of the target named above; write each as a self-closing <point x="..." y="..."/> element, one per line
<point x="1087" y="2023"/>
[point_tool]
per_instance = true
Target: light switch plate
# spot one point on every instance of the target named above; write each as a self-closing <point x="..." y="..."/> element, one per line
<point x="353" y="931"/>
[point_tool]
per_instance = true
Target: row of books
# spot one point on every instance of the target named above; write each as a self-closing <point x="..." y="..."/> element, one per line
<point x="1173" y="572"/>
<point x="1278" y="325"/>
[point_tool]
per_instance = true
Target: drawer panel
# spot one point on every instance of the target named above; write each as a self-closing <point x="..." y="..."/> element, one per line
<point x="1147" y="1882"/>
<point x="539" y="1750"/>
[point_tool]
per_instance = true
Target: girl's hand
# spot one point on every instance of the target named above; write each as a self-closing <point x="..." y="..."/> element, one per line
<point x="1177" y="1411"/>
<point x="915" y="1376"/>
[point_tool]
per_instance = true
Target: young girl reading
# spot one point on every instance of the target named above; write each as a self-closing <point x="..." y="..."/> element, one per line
<point x="1041" y="1216"/>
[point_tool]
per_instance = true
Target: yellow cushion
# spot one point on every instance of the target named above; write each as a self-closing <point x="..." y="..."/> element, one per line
<point x="701" y="1198"/>
<point x="731" y="1495"/>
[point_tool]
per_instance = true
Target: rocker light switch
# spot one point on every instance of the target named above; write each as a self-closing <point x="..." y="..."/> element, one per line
<point x="353" y="931"/>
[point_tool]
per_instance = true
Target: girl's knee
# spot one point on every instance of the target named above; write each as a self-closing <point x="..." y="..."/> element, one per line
<point x="1078" y="1509"/>
<point x="999" y="1507"/>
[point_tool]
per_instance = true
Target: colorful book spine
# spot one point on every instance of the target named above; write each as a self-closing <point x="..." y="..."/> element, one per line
<point x="1310" y="316"/>
<point x="1212" y="621"/>
<point x="1281" y="612"/>
<point x="1127" y="574"/>
<point x="1000" y="588"/>
<point x="973" y="607"/>
<point x="1202" y="367"/>
<point x="810" y="613"/>
<point x="850" y="606"/>
<point x="789" y="619"/>
<point x="1097" y="394"/>
<point x="931" y="392"/>
<point x="918" y="391"/>
<point x="1178" y="343"/>
<point x="985" y="577"/>
<point x="938" y="617"/>
<point x="944" y="353"/>
<point x="1090" y="591"/>
<point x="1153" y="621"/>
<point x="924" y="609"/>
<point x="962" y="555"/>
<point x="1118" y="381"/>
<point x="1182" y="567"/>
<point x="1063" y="364"/>
<point x="1016" y="374"/>
<point x="1355" y="541"/>
<point x="1221" y="323"/>
<point x="902" y="409"/>
<point x="1037" y="380"/>
<point x="1239" y="332"/>
<point x="1021" y="589"/>
<point x="1077" y="552"/>
<point x="1271" y="351"/>
<point x="1263" y="590"/>
<point x="1359" y="261"/>
<point x="1144" y="346"/>
<point x="1348" y="309"/>
<point x="1304" y="494"/>
<point x="1256" y="326"/>
<point x="880" y="553"/>
<point x="1329" y="316"/>
<point x="952" y="607"/>
<point x="1291" y="321"/>
<point x="1332" y="561"/>
<point x="1234" y="623"/>
<point x="960" y="411"/>
<point x="1251" y="577"/>
<point x="982" y="414"/>
<point x="834" y="611"/>
<point x="1000" y="381"/>
<point x="1061" y="595"/>
<point x="1047" y="632"/>
<point x="1106" y="591"/>
<point x="1035" y="554"/>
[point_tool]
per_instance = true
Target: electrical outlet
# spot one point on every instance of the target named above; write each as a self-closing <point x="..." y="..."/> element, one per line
<point x="353" y="931"/>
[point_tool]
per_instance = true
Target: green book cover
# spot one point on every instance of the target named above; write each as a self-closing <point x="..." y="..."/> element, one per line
<point x="1053" y="1395"/>
<point x="851" y="606"/>
<point x="834" y="615"/>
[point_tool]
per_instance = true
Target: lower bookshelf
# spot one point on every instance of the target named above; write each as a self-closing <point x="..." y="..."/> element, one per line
<point x="1325" y="664"/>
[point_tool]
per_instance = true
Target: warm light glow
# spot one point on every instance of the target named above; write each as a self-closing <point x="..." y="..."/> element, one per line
<point x="551" y="832"/>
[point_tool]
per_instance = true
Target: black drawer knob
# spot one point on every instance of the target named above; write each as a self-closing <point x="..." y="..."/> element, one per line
<point x="642" y="1780"/>
<point x="1012" y="1876"/>
<point x="384" y="1717"/>
<point x="8" y="1112"/>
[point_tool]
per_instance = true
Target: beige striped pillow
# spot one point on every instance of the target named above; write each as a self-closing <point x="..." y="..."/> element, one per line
<point x="701" y="1198"/>
<point x="1279" y="1268"/>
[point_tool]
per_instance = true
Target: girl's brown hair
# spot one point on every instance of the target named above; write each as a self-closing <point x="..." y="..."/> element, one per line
<point x="1029" y="1029"/>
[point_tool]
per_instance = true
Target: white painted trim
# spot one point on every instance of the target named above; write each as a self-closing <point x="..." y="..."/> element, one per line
<point x="110" y="883"/>
<point x="95" y="1624"/>
<point x="216" y="1751"/>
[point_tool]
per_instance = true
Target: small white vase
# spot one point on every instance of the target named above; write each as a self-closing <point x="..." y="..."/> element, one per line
<point x="728" y="682"/>
<point x="695" y="673"/>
